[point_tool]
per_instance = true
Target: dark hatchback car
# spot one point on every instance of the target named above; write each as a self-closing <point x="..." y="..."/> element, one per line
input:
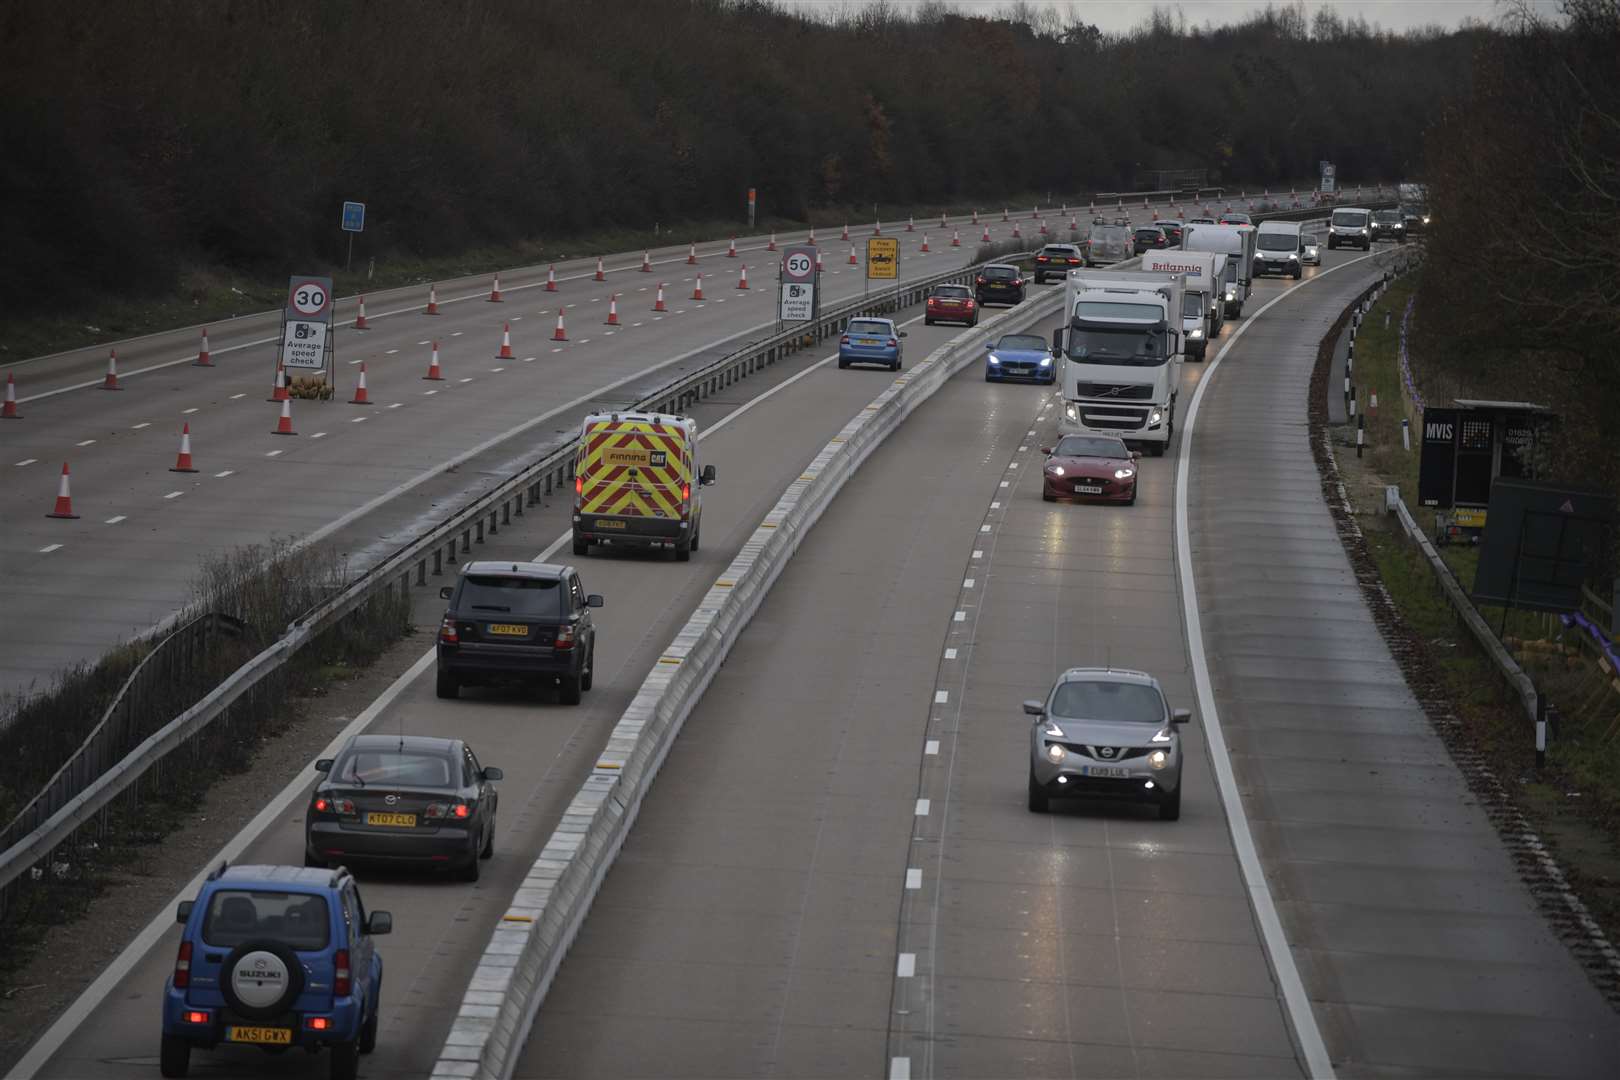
<point x="403" y="798"/>
<point x="517" y="622"/>
<point x="1056" y="260"/>
<point x="999" y="283"/>
<point x="1148" y="238"/>
<point x="1389" y="225"/>
<point x="1172" y="231"/>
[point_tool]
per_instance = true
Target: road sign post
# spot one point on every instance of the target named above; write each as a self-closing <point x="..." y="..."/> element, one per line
<point x="307" y="341"/>
<point x="354" y="220"/>
<point x="799" y="297"/>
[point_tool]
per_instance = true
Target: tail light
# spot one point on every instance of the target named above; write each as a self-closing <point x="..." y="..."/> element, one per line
<point x="1018" y="281"/>
<point x="342" y="977"/>
<point x="442" y="811"/>
<point x="182" y="967"/>
<point x="579" y="484"/>
<point x="565" y="637"/>
<point x="979" y="280"/>
<point x="844" y="340"/>
<point x="326" y="805"/>
<point x="448" y="632"/>
<point x="893" y="342"/>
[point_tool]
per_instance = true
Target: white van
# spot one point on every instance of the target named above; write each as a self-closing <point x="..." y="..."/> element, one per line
<point x="1277" y="249"/>
<point x="1350" y="225"/>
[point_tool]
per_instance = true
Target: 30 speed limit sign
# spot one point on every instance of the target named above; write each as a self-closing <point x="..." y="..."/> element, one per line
<point x="309" y="298"/>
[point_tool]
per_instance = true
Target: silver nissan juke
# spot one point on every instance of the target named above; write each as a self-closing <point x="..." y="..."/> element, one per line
<point x="1106" y="733"/>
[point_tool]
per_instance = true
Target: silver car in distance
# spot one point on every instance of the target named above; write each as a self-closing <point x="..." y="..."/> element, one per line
<point x="1105" y="733"/>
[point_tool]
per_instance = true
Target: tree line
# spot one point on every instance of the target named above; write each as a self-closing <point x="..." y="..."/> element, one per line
<point x="145" y="136"/>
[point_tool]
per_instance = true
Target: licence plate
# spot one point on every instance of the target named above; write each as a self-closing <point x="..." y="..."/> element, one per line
<point x="1102" y="770"/>
<point x="262" y="1036"/>
<point x="1088" y="489"/>
<point x="866" y="341"/>
<point x="609" y="525"/>
<point x="407" y="821"/>
<point x="509" y="629"/>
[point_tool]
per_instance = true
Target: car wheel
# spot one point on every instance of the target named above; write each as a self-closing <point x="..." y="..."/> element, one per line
<point x="1157" y="448"/>
<point x="1038" y="802"/>
<point x="588" y="674"/>
<point x="1170" y="809"/>
<point x="569" y="689"/>
<point x="313" y="861"/>
<point x="368" y="1030"/>
<point x="174" y="1057"/>
<point x="488" y="851"/>
<point x="469" y="870"/>
<point x="345" y="1064"/>
<point x="1299" y="272"/>
<point x="927" y="321"/>
<point x="446" y="685"/>
<point x="683" y="552"/>
<point x="1332" y="244"/>
<point x="1132" y="500"/>
<point x="895" y="366"/>
<point x="1047" y="496"/>
<point x="697" y="536"/>
<point x="581" y="547"/>
<point x="843" y="365"/>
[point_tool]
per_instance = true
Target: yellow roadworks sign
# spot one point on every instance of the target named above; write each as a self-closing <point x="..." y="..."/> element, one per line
<point x="882" y="257"/>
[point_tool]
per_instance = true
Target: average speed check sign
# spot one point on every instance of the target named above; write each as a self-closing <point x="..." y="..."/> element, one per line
<point x="798" y="300"/>
<point x="307" y="321"/>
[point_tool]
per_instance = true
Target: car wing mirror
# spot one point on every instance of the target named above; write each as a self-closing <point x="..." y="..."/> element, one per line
<point x="182" y="914"/>
<point x="323" y="765"/>
<point x="1136" y="455"/>
<point x="707" y="476"/>
<point x="492" y="773"/>
<point x="902" y="334"/>
<point x="444" y="593"/>
<point x="1180" y="716"/>
<point x="1047" y="450"/>
<point x="990" y="346"/>
<point x="380" y="922"/>
<point x="1034" y="708"/>
<point x="594" y="600"/>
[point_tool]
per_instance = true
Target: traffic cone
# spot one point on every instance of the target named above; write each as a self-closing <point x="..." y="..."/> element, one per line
<point x="360" y="319"/>
<point x="495" y="290"/>
<point x="278" y="388"/>
<point x="601" y="274"/>
<point x="812" y="239"/>
<point x="1004" y="214"/>
<point x="360" y="396"/>
<point x="772" y="245"/>
<point x="1091" y="207"/>
<point x="284" y="425"/>
<point x="956" y="238"/>
<point x="551" y="278"/>
<point x="924" y="248"/>
<point x="697" y="291"/>
<point x="1155" y="215"/>
<point x="1074" y="224"/>
<point x="691" y="255"/>
<point x="877" y="228"/>
<point x="433" y="301"/>
<point x="203" y="359"/>
<point x="911" y="224"/>
<point x="64" y="498"/>
<point x="1016" y="234"/>
<point x="975" y="215"/>
<point x="742" y="282"/>
<point x="8" y="411"/>
<point x="505" y="352"/>
<point x="434" y="374"/>
<point x="845" y="235"/>
<point x="613" y="310"/>
<point x="559" y="334"/>
<point x="985" y="239"/>
<point x="646" y="263"/>
<point x="1144" y="204"/>
<point x="731" y="249"/>
<point x="852" y="261"/>
<point x="658" y="304"/>
<point x="943" y="224"/>
<point x="1034" y="212"/>
<point x="111" y="382"/>
<point x="1043" y="228"/>
<point x="183" y="462"/>
<point x="819" y="267"/>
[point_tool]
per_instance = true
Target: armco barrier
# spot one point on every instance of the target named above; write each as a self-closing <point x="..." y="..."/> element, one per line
<point x="526" y="948"/>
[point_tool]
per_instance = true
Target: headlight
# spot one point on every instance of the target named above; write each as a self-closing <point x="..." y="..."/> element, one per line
<point x="1231" y="294"/>
<point x="1293" y="256"/>
<point x="1363" y="230"/>
<point x="1196" y="334"/>
<point x="1425" y="219"/>
<point x="1046" y="361"/>
<point x="1055" y="470"/>
<point x="1158" y="759"/>
<point x="1055" y="752"/>
<point x="1157" y="417"/>
<point x="1071" y="411"/>
<point x="1124" y="474"/>
<point x="994" y="359"/>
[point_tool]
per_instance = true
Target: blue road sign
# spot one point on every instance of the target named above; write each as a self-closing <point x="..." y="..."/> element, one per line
<point x="354" y="217"/>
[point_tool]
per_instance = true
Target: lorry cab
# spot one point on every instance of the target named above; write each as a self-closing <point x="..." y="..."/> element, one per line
<point x="638" y="483"/>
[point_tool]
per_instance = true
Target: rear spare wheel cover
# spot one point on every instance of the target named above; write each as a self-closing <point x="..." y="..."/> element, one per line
<point x="260" y="979"/>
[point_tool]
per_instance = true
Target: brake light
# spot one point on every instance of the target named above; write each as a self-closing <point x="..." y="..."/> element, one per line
<point x="325" y="805"/>
<point x="1018" y="281"/>
<point x="342" y="977"/>
<point x="979" y="280"/>
<point x="893" y="342"/>
<point x="844" y="340"/>
<point x="196" y="1016"/>
<point x="439" y="810"/>
<point x="462" y="811"/>
<point x="182" y="967"/>
<point x="448" y="632"/>
<point x="686" y="489"/>
<point x="1074" y="262"/>
<point x="318" y="1023"/>
<point x="1040" y="258"/>
<point x="579" y="484"/>
<point x="565" y="637"/>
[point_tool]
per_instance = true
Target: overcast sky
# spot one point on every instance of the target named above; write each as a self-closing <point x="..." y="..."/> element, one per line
<point x="1113" y="16"/>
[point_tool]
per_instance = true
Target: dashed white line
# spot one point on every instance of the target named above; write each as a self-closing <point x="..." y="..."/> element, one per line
<point x="984" y="528"/>
<point x="913" y="877"/>
<point x="900" y="1067"/>
<point x="397" y="405"/>
<point x="967" y="583"/>
<point x="390" y="352"/>
<point x="427" y="342"/>
<point x="235" y="397"/>
<point x="429" y="393"/>
<point x="1012" y="465"/>
<point x="528" y="359"/>
<point x="359" y="419"/>
<point x="496" y="369"/>
<point x="457" y="333"/>
<point x="142" y="424"/>
<point x="48" y="548"/>
<point x="116" y="518"/>
<point x="353" y="362"/>
<point x="188" y="412"/>
<point x="469" y="378"/>
<point x="922" y="807"/>
<point x="906" y="966"/>
<point x="277" y="453"/>
<point x="86" y="442"/>
<point x="319" y="435"/>
<point x="1004" y="483"/>
<point x="174" y="495"/>
<point x="960" y="616"/>
<point x="950" y="654"/>
<point x="941" y="697"/>
<point x="931" y="746"/>
<point x="223" y="475"/>
<point x="635" y="324"/>
<point x="995" y="506"/>
<point x="557" y="350"/>
<point x="26" y="461"/>
<point x="977" y="554"/>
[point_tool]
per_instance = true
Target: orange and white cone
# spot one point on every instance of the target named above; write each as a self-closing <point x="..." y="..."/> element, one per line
<point x="731" y="249"/>
<point x="601" y="272"/>
<point x="505" y="351"/>
<point x="985" y="238"/>
<point x="434" y="373"/>
<point x="742" y="282"/>
<point x="613" y="310"/>
<point x="924" y="248"/>
<point x="1016" y="234"/>
<point x="697" y="290"/>
<point x="183" y="462"/>
<point x="1074" y="224"/>
<point x="203" y="359"/>
<point x="877" y="228"/>
<point x="433" y="301"/>
<point x="819" y="267"/>
<point x="1144" y="204"/>
<point x="911" y="224"/>
<point x="646" y="263"/>
<point x="772" y="245"/>
<point x="284" y="425"/>
<point x="943" y="224"/>
<point x="495" y="290"/>
<point x="845" y="235"/>
<point x="1034" y="212"/>
<point x="64" y="497"/>
<point x="956" y="238"/>
<point x="852" y="261"/>
<point x="1043" y="227"/>
<point x="8" y="411"/>
<point x="691" y="254"/>
<point x="1155" y="215"/>
<point x="975" y="215"/>
<point x="658" y="304"/>
<point x="111" y="381"/>
<point x="812" y="239"/>
<point x="360" y="319"/>
<point x="360" y="395"/>
<point x="1004" y="214"/>
<point x="278" y="387"/>
<point x="559" y="334"/>
<point x="551" y="278"/>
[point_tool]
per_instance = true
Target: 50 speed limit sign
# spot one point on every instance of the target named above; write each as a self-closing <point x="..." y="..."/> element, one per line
<point x="799" y="264"/>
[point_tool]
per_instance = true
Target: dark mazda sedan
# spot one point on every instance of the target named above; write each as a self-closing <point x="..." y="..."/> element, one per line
<point x="403" y="798"/>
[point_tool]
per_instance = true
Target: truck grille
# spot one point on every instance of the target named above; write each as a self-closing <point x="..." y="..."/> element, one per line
<point x="1115" y="391"/>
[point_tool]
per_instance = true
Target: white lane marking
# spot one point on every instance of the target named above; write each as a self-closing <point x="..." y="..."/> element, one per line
<point x="359" y="419"/>
<point x="390" y="352"/>
<point x="223" y="475"/>
<point x="397" y="405"/>
<point x="996" y="505"/>
<point x="557" y="350"/>
<point x="496" y="369"/>
<point x="86" y="442"/>
<point x="1318" y="1064"/>
<point x="967" y="583"/>
<point x="635" y="324"/>
<point x="116" y="518"/>
<point x="142" y="424"/>
<point x="517" y="318"/>
<point x="913" y="877"/>
<point x="528" y="359"/>
<point x="984" y="528"/>
<point x="950" y="654"/>
<point x="317" y="435"/>
<point x="583" y="341"/>
<point x="931" y="746"/>
<point x="429" y="341"/>
<point x="941" y="697"/>
<point x="48" y="548"/>
<point x="469" y="378"/>
<point x="1021" y="449"/>
<point x="277" y="453"/>
<point x="429" y="393"/>
<point x="900" y="1067"/>
<point x="906" y="966"/>
<point x="188" y="412"/>
<point x="1004" y="483"/>
<point x="236" y="397"/>
<point x="977" y="554"/>
<point x="353" y="362"/>
<point x="1012" y="465"/>
<point x="922" y="807"/>
<point x="174" y="495"/>
<point x="457" y="333"/>
<point x="26" y="461"/>
<point x="960" y="616"/>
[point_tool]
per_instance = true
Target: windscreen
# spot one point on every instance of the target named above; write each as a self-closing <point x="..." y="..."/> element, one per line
<point x="236" y="916"/>
<point x="1132" y="703"/>
<point x="1271" y="241"/>
<point x="871" y="327"/>
<point x="1192" y="306"/>
<point x="1349" y="219"/>
<point x="1000" y="273"/>
<point x="1131" y="346"/>
<point x="1090" y="446"/>
<point x="532" y="597"/>
<point x="392" y="768"/>
<point x="952" y="292"/>
<point x="1390" y="216"/>
<point x="1032" y="342"/>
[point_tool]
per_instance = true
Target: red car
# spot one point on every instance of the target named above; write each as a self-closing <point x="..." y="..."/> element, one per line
<point x="1090" y="467"/>
<point x="951" y="303"/>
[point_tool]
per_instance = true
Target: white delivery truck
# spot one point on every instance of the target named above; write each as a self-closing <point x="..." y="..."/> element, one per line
<point x="1201" y="307"/>
<point x="1237" y="243"/>
<point x="1121" y="345"/>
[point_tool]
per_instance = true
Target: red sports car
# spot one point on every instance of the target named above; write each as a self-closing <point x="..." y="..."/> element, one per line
<point x="951" y="303"/>
<point x="1090" y="467"/>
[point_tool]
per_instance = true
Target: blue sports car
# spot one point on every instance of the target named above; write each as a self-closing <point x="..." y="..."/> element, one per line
<point x="1024" y="357"/>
